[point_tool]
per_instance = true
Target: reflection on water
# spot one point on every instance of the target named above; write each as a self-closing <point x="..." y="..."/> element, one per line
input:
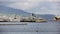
<point x="50" y="27"/>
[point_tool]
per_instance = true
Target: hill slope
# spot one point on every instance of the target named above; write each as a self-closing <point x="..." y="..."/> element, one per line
<point x="9" y="10"/>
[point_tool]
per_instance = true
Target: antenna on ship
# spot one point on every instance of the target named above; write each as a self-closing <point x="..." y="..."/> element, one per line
<point x="33" y="15"/>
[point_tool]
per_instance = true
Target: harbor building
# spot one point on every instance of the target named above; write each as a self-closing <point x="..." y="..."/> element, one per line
<point x="15" y="18"/>
<point x="11" y="17"/>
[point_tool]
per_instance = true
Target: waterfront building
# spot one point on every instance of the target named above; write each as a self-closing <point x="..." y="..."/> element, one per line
<point x="10" y="17"/>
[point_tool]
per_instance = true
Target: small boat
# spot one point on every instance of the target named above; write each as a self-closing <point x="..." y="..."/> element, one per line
<point x="40" y="20"/>
<point x="57" y="18"/>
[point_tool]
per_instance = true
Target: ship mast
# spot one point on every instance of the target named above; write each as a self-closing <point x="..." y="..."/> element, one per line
<point x="57" y="8"/>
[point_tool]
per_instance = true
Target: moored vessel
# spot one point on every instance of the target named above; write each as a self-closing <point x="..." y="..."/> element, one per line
<point x="57" y="18"/>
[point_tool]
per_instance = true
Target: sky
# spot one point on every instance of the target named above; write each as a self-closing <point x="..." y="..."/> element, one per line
<point x="34" y="6"/>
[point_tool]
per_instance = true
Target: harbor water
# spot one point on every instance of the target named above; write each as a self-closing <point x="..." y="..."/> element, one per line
<point x="50" y="27"/>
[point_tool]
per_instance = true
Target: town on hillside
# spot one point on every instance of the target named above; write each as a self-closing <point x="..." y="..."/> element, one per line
<point x="19" y="18"/>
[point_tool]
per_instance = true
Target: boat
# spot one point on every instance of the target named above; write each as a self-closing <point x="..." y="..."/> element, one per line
<point x="57" y="18"/>
<point x="33" y="18"/>
<point x="40" y="20"/>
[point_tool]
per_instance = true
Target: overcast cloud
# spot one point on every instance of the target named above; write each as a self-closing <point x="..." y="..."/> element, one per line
<point x="35" y="6"/>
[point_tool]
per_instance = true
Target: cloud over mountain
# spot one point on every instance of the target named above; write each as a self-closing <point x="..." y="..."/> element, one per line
<point x="35" y="6"/>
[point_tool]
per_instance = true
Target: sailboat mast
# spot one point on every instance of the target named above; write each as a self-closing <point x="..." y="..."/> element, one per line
<point x="57" y="8"/>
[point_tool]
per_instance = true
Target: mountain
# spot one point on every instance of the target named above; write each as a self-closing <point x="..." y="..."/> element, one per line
<point x="47" y="16"/>
<point x="8" y="10"/>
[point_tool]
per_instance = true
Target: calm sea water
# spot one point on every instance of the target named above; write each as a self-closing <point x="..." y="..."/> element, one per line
<point x="50" y="27"/>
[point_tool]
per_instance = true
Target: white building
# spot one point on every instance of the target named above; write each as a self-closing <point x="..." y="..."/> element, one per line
<point x="10" y="17"/>
<point x="15" y="18"/>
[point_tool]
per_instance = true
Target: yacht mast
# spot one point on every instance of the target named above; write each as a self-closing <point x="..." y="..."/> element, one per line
<point x="58" y="7"/>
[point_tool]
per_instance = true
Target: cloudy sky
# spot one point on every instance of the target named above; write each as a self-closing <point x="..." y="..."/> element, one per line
<point x="34" y="6"/>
